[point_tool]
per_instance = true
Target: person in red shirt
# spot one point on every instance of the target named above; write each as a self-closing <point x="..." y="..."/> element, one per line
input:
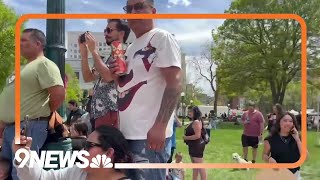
<point x="253" y="123"/>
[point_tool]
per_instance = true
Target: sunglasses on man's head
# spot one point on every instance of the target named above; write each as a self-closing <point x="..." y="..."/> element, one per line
<point x="88" y="145"/>
<point x="138" y="6"/>
<point x="108" y="30"/>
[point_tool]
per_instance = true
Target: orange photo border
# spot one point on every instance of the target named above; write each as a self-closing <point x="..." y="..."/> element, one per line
<point x="178" y="16"/>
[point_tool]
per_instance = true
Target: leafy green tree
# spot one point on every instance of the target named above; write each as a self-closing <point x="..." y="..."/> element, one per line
<point x="256" y="52"/>
<point x="8" y="19"/>
<point x="313" y="77"/>
<point x="73" y="88"/>
<point x="293" y="96"/>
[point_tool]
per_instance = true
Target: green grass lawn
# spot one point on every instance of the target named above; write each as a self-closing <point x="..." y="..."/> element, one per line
<point x="227" y="140"/>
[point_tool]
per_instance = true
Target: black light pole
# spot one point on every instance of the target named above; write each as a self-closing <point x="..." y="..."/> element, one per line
<point x="183" y="108"/>
<point x="55" y="33"/>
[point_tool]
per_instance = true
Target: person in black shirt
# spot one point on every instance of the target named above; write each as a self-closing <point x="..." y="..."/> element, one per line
<point x="277" y="113"/>
<point x="75" y="112"/>
<point x="283" y="145"/>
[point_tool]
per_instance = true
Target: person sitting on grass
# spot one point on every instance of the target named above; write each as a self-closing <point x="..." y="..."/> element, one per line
<point x="58" y="141"/>
<point x="177" y="174"/>
<point x="79" y="133"/>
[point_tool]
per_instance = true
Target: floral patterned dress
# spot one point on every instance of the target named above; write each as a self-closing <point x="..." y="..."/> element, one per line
<point x="104" y="98"/>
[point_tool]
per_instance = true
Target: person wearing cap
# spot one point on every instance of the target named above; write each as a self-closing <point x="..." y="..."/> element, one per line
<point x="253" y="122"/>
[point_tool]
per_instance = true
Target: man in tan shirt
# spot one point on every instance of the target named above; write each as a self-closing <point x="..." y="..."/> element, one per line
<point x="42" y="92"/>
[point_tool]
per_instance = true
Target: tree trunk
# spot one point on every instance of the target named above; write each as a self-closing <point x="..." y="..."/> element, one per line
<point x="282" y="93"/>
<point x="273" y="91"/>
<point x="216" y="95"/>
<point x="278" y="93"/>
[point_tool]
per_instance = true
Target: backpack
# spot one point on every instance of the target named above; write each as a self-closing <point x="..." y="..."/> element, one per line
<point x="204" y="135"/>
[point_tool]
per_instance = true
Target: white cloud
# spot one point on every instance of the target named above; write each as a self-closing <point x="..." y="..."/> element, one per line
<point x="89" y="22"/>
<point x="194" y="36"/>
<point x="179" y="2"/>
<point x="191" y="34"/>
<point x="85" y="2"/>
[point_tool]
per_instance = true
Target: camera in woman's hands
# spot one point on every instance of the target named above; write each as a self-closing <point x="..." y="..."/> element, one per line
<point x="83" y="37"/>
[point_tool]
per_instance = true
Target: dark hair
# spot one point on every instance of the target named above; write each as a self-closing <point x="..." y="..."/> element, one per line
<point x="276" y="127"/>
<point x="37" y="35"/>
<point x="110" y="137"/>
<point x="61" y="133"/>
<point x="280" y="112"/>
<point x="197" y="115"/>
<point x="122" y="26"/>
<point x="73" y="103"/>
<point x="81" y="128"/>
<point x="150" y="1"/>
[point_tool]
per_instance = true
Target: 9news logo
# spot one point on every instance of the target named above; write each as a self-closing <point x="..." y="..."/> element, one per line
<point x="66" y="159"/>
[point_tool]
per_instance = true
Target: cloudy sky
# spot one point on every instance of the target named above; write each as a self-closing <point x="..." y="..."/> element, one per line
<point x="191" y="34"/>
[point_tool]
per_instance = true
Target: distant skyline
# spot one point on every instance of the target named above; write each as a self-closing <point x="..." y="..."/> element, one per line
<point x="191" y="34"/>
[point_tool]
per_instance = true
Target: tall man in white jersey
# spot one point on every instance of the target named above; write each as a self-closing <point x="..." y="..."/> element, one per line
<point x="149" y="92"/>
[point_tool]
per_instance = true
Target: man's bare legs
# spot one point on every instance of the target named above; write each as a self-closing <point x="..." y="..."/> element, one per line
<point x="254" y="154"/>
<point x="245" y="153"/>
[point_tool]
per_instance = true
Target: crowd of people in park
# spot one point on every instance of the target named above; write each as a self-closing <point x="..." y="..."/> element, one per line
<point x="129" y="118"/>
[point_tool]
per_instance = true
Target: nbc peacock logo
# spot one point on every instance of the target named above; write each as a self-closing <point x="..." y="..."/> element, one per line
<point x="101" y="161"/>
